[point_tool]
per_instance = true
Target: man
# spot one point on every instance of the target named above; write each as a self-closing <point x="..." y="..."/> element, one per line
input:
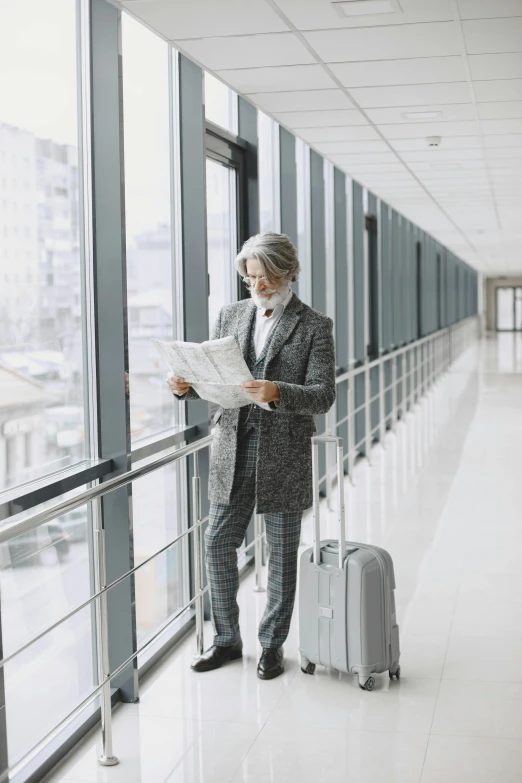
<point x="263" y="459"/>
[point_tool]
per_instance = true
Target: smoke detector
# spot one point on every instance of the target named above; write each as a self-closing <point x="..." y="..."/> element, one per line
<point x="434" y="141"/>
<point x="366" y="7"/>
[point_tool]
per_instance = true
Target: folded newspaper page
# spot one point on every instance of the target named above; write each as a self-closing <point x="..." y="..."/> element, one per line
<point x="215" y="368"/>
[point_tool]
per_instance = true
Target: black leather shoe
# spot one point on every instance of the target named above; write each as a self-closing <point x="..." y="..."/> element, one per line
<point x="271" y="663"/>
<point x="215" y="657"/>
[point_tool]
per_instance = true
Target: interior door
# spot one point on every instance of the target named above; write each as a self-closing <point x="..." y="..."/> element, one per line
<point x="505" y="309"/>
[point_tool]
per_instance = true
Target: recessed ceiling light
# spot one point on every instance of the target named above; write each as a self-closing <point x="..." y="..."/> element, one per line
<point x="422" y="115"/>
<point x="364" y="7"/>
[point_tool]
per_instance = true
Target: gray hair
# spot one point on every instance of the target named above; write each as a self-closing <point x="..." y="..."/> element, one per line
<point x="275" y="252"/>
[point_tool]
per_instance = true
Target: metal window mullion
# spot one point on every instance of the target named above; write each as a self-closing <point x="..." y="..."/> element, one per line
<point x="176" y="245"/>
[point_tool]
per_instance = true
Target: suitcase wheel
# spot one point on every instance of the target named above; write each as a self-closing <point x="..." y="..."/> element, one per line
<point x="368" y="685"/>
<point x="309" y="669"/>
<point x="395" y="675"/>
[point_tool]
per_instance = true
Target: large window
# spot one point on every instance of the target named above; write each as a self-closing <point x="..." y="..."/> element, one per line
<point x="220" y="104"/>
<point x="304" y="237"/>
<point x="222" y="238"/>
<point x="329" y="219"/>
<point x="44" y="575"/>
<point x="42" y="397"/>
<point x="150" y="170"/>
<point x="148" y="220"/>
<point x="269" y="173"/>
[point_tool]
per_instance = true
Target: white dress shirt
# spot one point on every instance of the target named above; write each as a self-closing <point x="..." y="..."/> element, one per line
<point x="265" y="325"/>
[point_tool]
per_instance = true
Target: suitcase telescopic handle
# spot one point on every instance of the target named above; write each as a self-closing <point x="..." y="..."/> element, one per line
<point x="327" y="439"/>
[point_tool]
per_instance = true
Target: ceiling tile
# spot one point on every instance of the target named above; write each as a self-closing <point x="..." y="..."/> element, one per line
<point x="484" y="9"/>
<point x="252" y="51"/>
<point x="323" y="119"/>
<point x="510" y="153"/>
<point x="411" y="95"/>
<point x="386" y="43"/>
<point x="279" y="79"/>
<point x="355" y="146"/>
<point x="448" y="143"/>
<point x="368" y="157"/>
<point x="496" y="66"/>
<point x="179" y="19"/>
<point x="320" y="14"/>
<point x="500" y="110"/>
<point x="498" y="90"/>
<point x="371" y="168"/>
<point x="422" y="70"/>
<point x="423" y="129"/>
<point x="493" y="35"/>
<point x="303" y="100"/>
<point x="449" y="112"/>
<point x="501" y="126"/>
<point x="441" y="155"/>
<point x="349" y="135"/>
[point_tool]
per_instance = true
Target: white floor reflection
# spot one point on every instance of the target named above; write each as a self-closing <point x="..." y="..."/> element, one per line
<point x="443" y="496"/>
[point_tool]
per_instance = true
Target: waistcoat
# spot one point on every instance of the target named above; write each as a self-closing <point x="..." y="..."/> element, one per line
<point x="250" y="414"/>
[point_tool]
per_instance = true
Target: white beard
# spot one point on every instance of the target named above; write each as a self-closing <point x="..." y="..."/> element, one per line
<point x="270" y="302"/>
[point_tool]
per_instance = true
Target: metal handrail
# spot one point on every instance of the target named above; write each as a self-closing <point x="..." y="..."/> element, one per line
<point x="32" y="521"/>
<point x="422" y="375"/>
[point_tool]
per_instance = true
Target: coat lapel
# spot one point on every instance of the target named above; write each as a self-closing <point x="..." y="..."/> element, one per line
<point x="284" y="328"/>
<point x="244" y="326"/>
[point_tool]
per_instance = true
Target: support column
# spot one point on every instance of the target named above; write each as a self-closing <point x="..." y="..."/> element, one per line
<point x="110" y="317"/>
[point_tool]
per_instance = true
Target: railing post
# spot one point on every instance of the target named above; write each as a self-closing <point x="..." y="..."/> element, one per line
<point x="430" y="363"/>
<point x="411" y="376"/>
<point x="107" y="758"/>
<point x="258" y="552"/>
<point x="198" y="563"/>
<point x="330" y="430"/>
<point x="367" y="414"/>
<point x="382" y="406"/>
<point x="351" y="424"/>
<point x="394" y="392"/>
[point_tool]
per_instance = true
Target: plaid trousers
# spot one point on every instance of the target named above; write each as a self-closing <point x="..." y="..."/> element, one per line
<point x="225" y="533"/>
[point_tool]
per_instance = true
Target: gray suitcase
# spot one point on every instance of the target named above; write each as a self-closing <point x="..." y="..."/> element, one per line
<point x="347" y="618"/>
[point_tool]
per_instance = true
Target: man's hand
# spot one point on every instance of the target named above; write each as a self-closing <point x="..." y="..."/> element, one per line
<point x="177" y="385"/>
<point x="262" y="391"/>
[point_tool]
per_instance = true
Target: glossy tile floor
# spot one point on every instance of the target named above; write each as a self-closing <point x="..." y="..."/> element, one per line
<point x="444" y="498"/>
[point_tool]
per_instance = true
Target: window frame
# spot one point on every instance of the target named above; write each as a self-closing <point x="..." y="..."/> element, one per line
<point x="231" y="151"/>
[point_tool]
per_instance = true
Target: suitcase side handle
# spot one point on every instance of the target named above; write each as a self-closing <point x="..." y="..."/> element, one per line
<point x="316" y="518"/>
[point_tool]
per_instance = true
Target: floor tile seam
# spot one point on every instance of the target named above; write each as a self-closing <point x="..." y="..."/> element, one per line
<point x="440" y="679"/>
<point x="158" y="716"/>
<point x="511" y="681"/>
<point x="211" y="721"/>
<point x="261" y="729"/>
<point x="346" y="730"/>
<point x="476" y="737"/>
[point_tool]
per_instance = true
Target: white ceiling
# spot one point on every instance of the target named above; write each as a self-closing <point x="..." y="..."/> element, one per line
<point x="344" y="84"/>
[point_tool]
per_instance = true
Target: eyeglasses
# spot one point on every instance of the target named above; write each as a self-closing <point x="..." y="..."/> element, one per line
<point x="251" y="282"/>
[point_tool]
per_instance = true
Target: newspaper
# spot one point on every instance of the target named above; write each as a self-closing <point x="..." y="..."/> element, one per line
<point x="215" y="368"/>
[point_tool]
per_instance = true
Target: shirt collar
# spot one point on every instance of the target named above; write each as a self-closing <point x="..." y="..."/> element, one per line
<point x="281" y="306"/>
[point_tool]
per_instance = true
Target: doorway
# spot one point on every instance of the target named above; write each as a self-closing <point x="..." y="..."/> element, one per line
<point x="509" y="309"/>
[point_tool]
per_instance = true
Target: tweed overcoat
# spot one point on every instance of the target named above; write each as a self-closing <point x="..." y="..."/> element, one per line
<point x="301" y="359"/>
